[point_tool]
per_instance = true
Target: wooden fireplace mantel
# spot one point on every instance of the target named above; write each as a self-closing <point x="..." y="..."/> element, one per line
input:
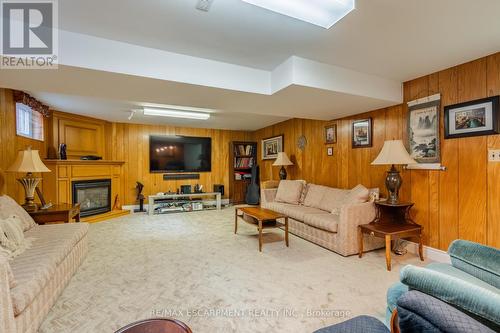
<point x="57" y="184"/>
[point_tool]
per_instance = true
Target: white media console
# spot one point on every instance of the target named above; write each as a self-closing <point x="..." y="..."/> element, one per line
<point x="152" y="204"/>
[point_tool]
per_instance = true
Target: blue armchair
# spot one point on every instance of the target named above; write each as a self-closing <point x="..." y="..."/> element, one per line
<point x="458" y="298"/>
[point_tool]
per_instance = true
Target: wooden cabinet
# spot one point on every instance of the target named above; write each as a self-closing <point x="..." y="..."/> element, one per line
<point x="242" y="156"/>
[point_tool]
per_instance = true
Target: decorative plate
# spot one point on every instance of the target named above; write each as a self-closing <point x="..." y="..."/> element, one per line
<point x="301" y="142"/>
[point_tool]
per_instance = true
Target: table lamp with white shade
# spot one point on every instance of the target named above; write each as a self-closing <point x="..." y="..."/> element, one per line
<point x="393" y="153"/>
<point x="28" y="161"/>
<point x="282" y="160"/>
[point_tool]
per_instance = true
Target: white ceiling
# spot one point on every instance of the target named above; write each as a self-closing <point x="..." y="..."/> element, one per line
<point x="255" y="66"/>
<point x="396" y="39"/>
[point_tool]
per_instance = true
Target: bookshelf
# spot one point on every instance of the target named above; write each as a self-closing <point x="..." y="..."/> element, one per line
<point x="243" y="155"/>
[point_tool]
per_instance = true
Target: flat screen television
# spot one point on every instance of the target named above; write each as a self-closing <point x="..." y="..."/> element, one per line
<point x="179" y="154"/>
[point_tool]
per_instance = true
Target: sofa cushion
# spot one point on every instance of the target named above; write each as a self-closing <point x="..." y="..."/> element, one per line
<point x="418" y="312"/>
<point x="358" y="194"/>
<point x="333" y="199"/>
<point x="314" y="195"/>
<point x="296" y="212"/>
<point x="9" y="207"/>
<point x="33" y="269"/>
<point x="359" y="324"/>
<point x="289" y="191"/>
<point x="467" y="293"/>
<point x="12" y="236"/>
<point x="482" y="262"/>
<point x="4" y="260"/>
<point x="323" y="221"/>
<point x="393" y="293"/>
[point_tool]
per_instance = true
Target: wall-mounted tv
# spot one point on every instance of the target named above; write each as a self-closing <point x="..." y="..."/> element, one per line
<point x="179" y="154"/>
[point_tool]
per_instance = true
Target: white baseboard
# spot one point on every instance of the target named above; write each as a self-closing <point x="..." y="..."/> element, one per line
<point x="429" y="252"/>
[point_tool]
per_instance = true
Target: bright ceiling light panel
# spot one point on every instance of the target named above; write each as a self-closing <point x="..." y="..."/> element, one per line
<point x="323" y="13"/>
<point x="178" y="112"/>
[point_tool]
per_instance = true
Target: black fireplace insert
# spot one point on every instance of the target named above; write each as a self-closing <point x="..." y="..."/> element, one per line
<point x="94" y="196"/>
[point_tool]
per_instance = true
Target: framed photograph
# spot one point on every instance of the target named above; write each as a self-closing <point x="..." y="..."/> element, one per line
<point x="271" y="147"/>
<point x="362" y="133"/>
<point x="423" y="131"/>
<point x="475" y="118"/>
<point x="329" y="151"/>
<point x="331" y="134"/>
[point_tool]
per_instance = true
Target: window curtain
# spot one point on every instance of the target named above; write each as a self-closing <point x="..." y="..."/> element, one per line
<point x="33" y="103"/>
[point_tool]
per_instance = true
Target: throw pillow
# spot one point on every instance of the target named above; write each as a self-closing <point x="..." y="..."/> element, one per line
<point x="333" y="198"/>
<point x="358" y="194"/>
<point x="12" y="235"/>
<point x="314" y="195"/>
<point x="303" y="194"/>
<point x="289" y="191"/>
<point x="9" y="207"/>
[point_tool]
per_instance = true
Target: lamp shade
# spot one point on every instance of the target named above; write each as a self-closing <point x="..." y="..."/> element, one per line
<point x="28" y="161"/>
<point x="393" y="152"/>
<point x="282" y="160"/>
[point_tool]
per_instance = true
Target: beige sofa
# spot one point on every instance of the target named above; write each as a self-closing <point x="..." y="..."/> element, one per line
<point x="31" y="282"/>
<point x="325" y="216"/>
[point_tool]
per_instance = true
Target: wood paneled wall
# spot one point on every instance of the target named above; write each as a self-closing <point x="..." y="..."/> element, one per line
<point x="461" y="202"/>
<point x="10" y="144"/>
<point x="130" y="143"/>
<point x="112" y="141"/>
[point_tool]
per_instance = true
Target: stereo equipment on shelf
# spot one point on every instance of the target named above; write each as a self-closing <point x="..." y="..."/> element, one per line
<point x="181" y="176"/>
<point x="219" y="188"/>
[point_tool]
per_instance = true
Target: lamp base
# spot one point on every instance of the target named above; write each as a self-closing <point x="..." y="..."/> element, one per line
<point x="29" y="183"/>
<point x="283" y="173"/>
<point x="393" y="183"/>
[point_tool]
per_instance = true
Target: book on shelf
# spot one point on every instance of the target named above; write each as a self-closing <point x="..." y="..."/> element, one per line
<point x="243" y="162"/>
<point x="242" y="175"/>
<point x="244" y="150"/>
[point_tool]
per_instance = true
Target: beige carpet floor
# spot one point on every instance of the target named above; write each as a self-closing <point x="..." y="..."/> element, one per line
<point x="192" y="267"/>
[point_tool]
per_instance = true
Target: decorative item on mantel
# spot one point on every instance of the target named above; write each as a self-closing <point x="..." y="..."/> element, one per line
<point x="282" y="161"/>
<point x="62" y="152"/>
<point x="28" y="161"/>
<point x="393" y="153"/>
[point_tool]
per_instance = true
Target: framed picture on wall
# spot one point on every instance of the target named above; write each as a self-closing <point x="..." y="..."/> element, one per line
<point x="474" y="118"/>
<point x="271" y="147"/>
<point x="331" y="134"/>
<point x="423" y="129"/>
<point x="362" y="133"/>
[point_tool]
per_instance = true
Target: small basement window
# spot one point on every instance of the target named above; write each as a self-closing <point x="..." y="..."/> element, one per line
<point x="29" y="123"/>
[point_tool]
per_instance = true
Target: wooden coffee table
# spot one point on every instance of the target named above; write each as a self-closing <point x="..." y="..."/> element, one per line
<point x="263" y="219"/>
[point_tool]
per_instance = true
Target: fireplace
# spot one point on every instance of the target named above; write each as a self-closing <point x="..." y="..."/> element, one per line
<point x="94" y="196"/>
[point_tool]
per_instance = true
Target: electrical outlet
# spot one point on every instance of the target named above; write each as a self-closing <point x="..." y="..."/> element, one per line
<point x="494" y="155"/>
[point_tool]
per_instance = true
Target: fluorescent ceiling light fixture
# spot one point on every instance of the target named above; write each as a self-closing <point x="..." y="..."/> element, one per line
<point x="174" y="111"/>
<point x="323" y="13"/>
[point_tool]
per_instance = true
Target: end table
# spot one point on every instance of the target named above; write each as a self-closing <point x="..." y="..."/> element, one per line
<point x="57" y="213"/>
<point x="393" y="221"/>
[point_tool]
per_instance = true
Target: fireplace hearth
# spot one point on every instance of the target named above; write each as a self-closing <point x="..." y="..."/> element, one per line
<point x="94" y="196"/>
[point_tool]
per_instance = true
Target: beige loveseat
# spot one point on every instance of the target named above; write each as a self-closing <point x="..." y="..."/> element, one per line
<point x="31" y="282"/>
<point x="323" y="215"/>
